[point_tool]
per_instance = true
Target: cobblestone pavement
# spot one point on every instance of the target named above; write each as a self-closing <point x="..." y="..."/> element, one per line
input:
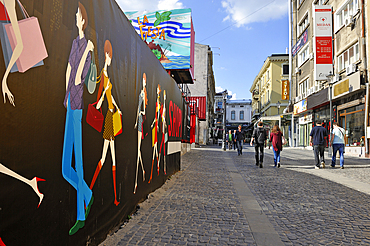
<point x="202" y="205"/>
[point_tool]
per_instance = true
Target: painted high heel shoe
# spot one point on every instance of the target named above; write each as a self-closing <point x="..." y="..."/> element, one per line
<point x="33" y="184"/>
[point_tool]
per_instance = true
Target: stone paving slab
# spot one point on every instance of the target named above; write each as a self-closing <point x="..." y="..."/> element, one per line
<point x="205" y="204"/>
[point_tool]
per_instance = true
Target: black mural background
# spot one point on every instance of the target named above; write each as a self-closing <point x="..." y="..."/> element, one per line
<point x="31" y="133"/>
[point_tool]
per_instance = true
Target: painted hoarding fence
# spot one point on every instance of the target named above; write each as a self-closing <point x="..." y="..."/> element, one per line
<point x="61" y="127"/>
<point x="167" y="33"/>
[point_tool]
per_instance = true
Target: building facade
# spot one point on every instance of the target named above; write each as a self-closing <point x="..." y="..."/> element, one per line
<point x="238" y="112"/>
<point x="271" y="87"/>
<point x="203" y="91"/>
<point x="338" y="91"/>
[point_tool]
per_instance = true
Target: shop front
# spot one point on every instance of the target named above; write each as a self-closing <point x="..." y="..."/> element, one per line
<point x="305" y="127"/>
<point x="304" y="118"/>
<point x="349" y="99"/>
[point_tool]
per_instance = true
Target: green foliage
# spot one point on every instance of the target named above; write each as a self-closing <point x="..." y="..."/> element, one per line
<point x="157" y="53"/>
<point x="165" y="16"/>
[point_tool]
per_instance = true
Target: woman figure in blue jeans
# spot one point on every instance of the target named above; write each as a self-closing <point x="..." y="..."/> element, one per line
<point x="337" y="141"/>
<point x="276" y="140"/>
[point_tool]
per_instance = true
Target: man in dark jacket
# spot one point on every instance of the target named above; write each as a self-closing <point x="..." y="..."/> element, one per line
<point x="239" y="139"/>
<point x="318" y="141"/>
<point x="259" y="137"/>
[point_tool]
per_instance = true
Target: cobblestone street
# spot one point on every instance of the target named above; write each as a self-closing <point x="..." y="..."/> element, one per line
<point x="220" y="198"/>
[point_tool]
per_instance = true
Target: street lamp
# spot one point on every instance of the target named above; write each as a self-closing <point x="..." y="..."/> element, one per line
<point x="329" y="79"/>
<point x="278" y="106"/>
<point x="224" y="121"/>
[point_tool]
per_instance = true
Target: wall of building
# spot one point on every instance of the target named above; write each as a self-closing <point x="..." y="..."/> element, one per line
<point x="38" y="197"/>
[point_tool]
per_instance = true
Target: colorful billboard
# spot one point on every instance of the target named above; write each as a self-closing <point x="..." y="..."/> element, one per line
<point x="167" y="33"/>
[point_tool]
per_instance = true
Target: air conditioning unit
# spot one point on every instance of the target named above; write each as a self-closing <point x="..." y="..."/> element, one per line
<point x="348" y="21"/>
<point x="310" y="56"/>
<point x="296" y="99"/>
<point x="296" y="70"/>
<point x="350" y="69"/>
<point x="300" y="98"/>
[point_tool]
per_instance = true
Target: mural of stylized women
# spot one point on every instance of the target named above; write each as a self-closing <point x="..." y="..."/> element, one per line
<point x="10" y="8"/>
<point x="108" y="133"/>
<point x="155" y="129"/>
<point x="143" y="102"/>
<point x="77" y="69"/>
<point x="30" y="182"/>
<point x="164" y="133"/>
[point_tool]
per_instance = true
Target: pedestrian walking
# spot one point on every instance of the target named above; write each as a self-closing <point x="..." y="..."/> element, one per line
<point x="318" y="141"/>
<point x="234" y="140"/>
<point x="239" y="140"/>
<point x="276" y="138"/>
<point x="337" y="140"/>
<point x="259" y="137"/>
<point x="230" y="139"/>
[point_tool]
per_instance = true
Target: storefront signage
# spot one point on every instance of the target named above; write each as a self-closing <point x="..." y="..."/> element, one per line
<point x="350" y="84"/>
<point x="301" y="42"/>
<point x="300" y="107"/>
<point x="285" y="90"/>
<point x="307" y="118"/>
<point x="323" y="45"/>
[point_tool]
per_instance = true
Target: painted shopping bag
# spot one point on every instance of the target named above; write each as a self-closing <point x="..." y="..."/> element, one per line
<point x="34" y="49"/>
<point x="7" y="49"/>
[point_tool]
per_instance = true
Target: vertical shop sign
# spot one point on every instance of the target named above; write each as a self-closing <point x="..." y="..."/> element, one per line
<point x="323" y="45"/>
<point x="285" y="90"/>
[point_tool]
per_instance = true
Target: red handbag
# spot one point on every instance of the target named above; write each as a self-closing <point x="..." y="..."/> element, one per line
<point x="94" y="117"/>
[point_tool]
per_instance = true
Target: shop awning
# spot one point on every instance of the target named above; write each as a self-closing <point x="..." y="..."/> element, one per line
<point x="318" y="98"/>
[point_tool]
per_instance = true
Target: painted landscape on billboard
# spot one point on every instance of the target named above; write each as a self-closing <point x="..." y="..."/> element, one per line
<point x="167" y="33"/>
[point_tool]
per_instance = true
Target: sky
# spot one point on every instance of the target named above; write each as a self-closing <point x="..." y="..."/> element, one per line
<point x="241" y="34"/>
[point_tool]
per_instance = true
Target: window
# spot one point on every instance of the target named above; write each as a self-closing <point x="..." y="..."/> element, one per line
<point x="303" y="55"/>
<point x="285" y="69"/>
<point x="233" y="115"/>
<point x="347" y="10"/>
<point x="241" y="115"/>
<point x="320" y="2"/>
<point x="304" y="86"/>
<point x="303" y="24"/>
<point x="268" y="75"/>
<point x="348" y="57"/>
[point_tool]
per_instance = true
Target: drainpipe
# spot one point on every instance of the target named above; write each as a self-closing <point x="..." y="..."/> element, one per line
<point x="366" y="75"/>
<point x="290" y="70"/>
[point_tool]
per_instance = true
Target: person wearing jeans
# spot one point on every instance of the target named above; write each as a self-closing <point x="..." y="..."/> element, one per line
<point x="318" y="141"/>
<point x="276" y="140"/>
<point x="259" y="139"/>
<point x="239" y="140"/>
<point x="337" y="141"/>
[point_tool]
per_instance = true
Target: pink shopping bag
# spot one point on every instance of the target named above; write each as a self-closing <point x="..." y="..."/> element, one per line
<point x="34" y="49"/>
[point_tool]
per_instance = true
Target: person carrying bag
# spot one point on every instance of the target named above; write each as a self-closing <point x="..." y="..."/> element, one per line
<point x="337" y="140"/>
<point x="276" y="138"/>
<point x="259" y="139"/>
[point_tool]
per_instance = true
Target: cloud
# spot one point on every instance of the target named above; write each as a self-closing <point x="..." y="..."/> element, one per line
<point x="219" y="89"/>
<point x="149" y="5"/>
<point x="243" y="12"/>
<point x="230" y="93"/>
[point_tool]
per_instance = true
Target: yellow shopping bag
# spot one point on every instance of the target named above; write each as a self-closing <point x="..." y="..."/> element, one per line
<point x="117" y="123"/>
